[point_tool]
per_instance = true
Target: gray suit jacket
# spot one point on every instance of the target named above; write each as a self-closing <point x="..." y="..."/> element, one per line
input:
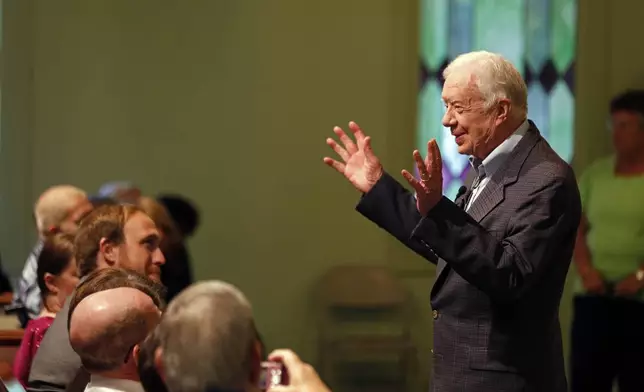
<point x="501" y="270"/>
<point x="56" y="364"/>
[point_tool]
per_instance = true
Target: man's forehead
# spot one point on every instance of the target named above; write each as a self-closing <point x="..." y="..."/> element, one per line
<point x="142" y="224"/>
<point x="459" y="90"/>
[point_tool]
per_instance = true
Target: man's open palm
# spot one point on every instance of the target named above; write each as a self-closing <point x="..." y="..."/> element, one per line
<point x="358" y="162"/>
<point x="429" y="189"/>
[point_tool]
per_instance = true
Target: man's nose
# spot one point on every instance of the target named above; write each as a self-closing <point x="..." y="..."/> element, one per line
<point x="448" y="119"/>
<point x="158" y="257"/>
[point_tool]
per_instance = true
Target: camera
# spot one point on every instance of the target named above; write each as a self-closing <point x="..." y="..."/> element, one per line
<point x="272" y="374"/>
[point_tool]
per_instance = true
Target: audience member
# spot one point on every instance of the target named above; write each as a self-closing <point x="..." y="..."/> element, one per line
<point x="176" y="273"/>
<point x="208" y="341"/>
<point x="148" y="373"/>
<point x="121" y="192"/>
<point x="110" y="236"/>
<point x="609" y="255"/>
<point x="56" y="276"/>
<point x="59" y="209"/>
<point x="110" y="314"/>
<point x="5" y="283"/>
<point x="98" y="201"/>
<point x="183" y="212"/>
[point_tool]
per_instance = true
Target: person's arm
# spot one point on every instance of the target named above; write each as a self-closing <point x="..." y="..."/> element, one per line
<point x="23" y="358"/>
<point x="28" y="292"/>
<point x="393" y="208"/>
<point x="505" y="269"/>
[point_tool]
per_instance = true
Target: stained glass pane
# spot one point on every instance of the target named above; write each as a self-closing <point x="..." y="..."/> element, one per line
<point x="461" y="24"/>
<point x="537" y="36"/>
<point x="498" y="27"/>
<point x="561" y="120"/>
<point x="429" y="125"/>
<point x="434" y="33"/>
<point x="539" y="106"/>
<point x="564" y="21"/>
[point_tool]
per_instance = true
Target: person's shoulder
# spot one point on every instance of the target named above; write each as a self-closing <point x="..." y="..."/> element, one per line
<point x="600" y="166"/>
<point x="40" y="325"/>
<point x="54" y="342"/>
<point x="544" y="163"/>
<point x="55" y="361"/>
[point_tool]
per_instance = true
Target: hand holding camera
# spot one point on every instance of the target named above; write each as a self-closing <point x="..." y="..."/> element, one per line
<point x="301" y="376"/>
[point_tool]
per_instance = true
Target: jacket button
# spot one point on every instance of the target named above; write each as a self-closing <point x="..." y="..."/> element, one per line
<point x="435" y="314"/>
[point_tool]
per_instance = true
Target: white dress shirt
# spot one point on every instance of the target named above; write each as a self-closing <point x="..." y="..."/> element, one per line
<point x="492" y="162"/>
<point x="104" y="384"/>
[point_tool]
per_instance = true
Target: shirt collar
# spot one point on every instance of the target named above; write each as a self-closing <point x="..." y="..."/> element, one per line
<point x="115" y="384"/>
<point x="496" y="158"/>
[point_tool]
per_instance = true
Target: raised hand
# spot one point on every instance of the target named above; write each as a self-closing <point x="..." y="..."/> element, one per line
<point x="429" y="189"/>
<point x="359" y="164"/>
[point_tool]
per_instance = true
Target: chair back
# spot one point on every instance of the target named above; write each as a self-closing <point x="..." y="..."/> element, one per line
<point x="364" y="328"/>
<point x="361" y="287"/>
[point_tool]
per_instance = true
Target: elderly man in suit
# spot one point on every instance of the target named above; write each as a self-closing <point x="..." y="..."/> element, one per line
<point x="502" y="248"/>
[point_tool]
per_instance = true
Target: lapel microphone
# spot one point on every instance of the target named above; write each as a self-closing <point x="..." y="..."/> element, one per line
<point x="461" y="192"/>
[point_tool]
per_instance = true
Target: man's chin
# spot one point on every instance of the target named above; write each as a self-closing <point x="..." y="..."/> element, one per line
<point x="464" y="149"/>
<point x="155" y="276"/>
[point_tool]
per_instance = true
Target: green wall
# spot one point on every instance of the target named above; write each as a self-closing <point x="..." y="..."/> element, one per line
<point x="230" y="102"/>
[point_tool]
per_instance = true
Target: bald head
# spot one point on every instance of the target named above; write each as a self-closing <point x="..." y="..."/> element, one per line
<point x="60" y="208"/>
<point x="105" y="326"/>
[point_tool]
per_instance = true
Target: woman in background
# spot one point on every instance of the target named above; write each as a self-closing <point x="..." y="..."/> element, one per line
<point x="57" y="277"/>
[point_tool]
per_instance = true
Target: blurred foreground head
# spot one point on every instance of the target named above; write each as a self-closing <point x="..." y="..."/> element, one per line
<point x="207" y="340"/>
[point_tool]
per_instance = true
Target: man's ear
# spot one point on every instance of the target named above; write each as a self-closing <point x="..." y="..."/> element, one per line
<point x="135" y="354"/>
<point x="109" y="251"/>
<point x="50" y="282"/>
<point x="503" y="111"/>
<point x="158" y="362"/>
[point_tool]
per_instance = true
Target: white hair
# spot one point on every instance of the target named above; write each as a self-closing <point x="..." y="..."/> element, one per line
<point x="55" y="204"/>
<point x="495" y="77"/>
<point x="207" y="334"/>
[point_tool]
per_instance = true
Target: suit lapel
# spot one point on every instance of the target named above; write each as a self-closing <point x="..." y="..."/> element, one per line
<point x="488" y="199"/>
<point x="493" y="193"/>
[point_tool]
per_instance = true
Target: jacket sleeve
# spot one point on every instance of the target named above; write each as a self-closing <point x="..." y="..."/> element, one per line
<point x="393" y="208"/>
<point x="542" y="226"/>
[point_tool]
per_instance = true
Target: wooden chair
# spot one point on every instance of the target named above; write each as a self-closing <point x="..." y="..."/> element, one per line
<point x="365" y="329"/>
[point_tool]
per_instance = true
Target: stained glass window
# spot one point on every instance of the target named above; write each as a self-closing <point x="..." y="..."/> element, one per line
<point x="537" y="36"/>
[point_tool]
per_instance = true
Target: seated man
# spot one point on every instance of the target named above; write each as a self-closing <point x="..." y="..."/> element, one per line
<point x="148" y="373"/>
<point x="110" y="313"/>
<point x="110" y="236"/>
<point x="58" y="209"/>
<point x="222" y="351"/>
